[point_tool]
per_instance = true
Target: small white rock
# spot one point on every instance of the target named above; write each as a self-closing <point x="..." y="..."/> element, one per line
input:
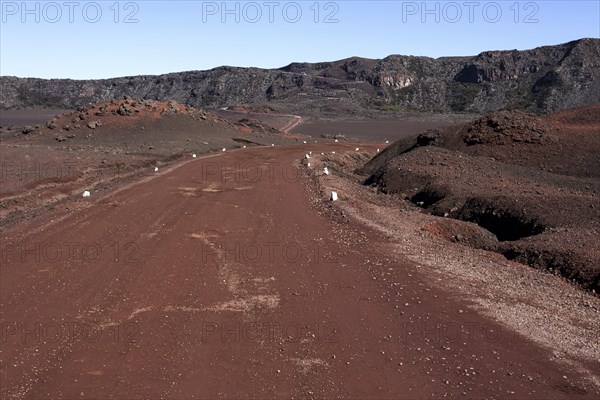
<point x="336" y="140"/>
<point x="307" y="156"/>
<point x="304" y="141"/>
<point x="244" y="147"/>
<point x="325" y="171"/>
<point x="333" y="196"/>
<point x="193" y="156"/>
<point x="357" y="149"/>
<point x="155" y="169"/>
<point x="224" y="149"/>
<point x="86" y="193"/>
<point x="308" y="164"/>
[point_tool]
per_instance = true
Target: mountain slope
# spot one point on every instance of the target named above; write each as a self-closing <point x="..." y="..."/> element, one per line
<point x="541" y="80"/>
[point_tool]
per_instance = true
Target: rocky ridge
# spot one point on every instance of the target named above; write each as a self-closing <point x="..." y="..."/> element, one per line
<point x="542" y="80"/>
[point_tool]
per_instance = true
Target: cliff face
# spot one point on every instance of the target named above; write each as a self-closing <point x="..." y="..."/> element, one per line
<point x="541" y="80"/>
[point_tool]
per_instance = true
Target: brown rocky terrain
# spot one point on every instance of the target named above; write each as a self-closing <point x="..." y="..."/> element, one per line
<point x="259" y="121"/>
<point x="348" y="299"/>
<point x="545" y="308"/>
<point x="16" y="118"/>
<point x="540" y="80"/>
<point x="98" y="147"/>
<point x="232" y="275"/>
<point x="379" y="129"/>
<point x="532" y="182"/>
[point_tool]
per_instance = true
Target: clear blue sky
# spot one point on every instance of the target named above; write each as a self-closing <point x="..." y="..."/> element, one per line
<point x="102" y="39"/>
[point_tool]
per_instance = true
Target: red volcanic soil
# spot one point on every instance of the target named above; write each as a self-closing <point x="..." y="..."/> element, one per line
<point x="232" y="276"/>
<point x="534" y="182"/>
<point x="97" y="147"/>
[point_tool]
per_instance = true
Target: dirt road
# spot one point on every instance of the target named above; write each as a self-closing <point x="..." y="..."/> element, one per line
<point x="296" y="120"/>
<point x="222" y="279"/>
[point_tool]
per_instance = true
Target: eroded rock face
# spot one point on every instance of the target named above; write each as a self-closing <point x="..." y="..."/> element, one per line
<point x="497" y="66"/>
<point x="393" y="80"/>
<point x="541" y="80"/>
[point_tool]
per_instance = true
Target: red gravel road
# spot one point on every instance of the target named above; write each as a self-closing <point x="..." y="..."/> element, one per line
<point x="220" y="279"/>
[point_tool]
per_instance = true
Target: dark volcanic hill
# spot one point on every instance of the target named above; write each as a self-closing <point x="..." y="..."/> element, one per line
<point x="542" y="80"/>
<point x="533" y="182"/>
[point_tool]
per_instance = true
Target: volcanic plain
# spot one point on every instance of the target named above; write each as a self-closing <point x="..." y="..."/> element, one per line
<point x="460" y="259"/>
